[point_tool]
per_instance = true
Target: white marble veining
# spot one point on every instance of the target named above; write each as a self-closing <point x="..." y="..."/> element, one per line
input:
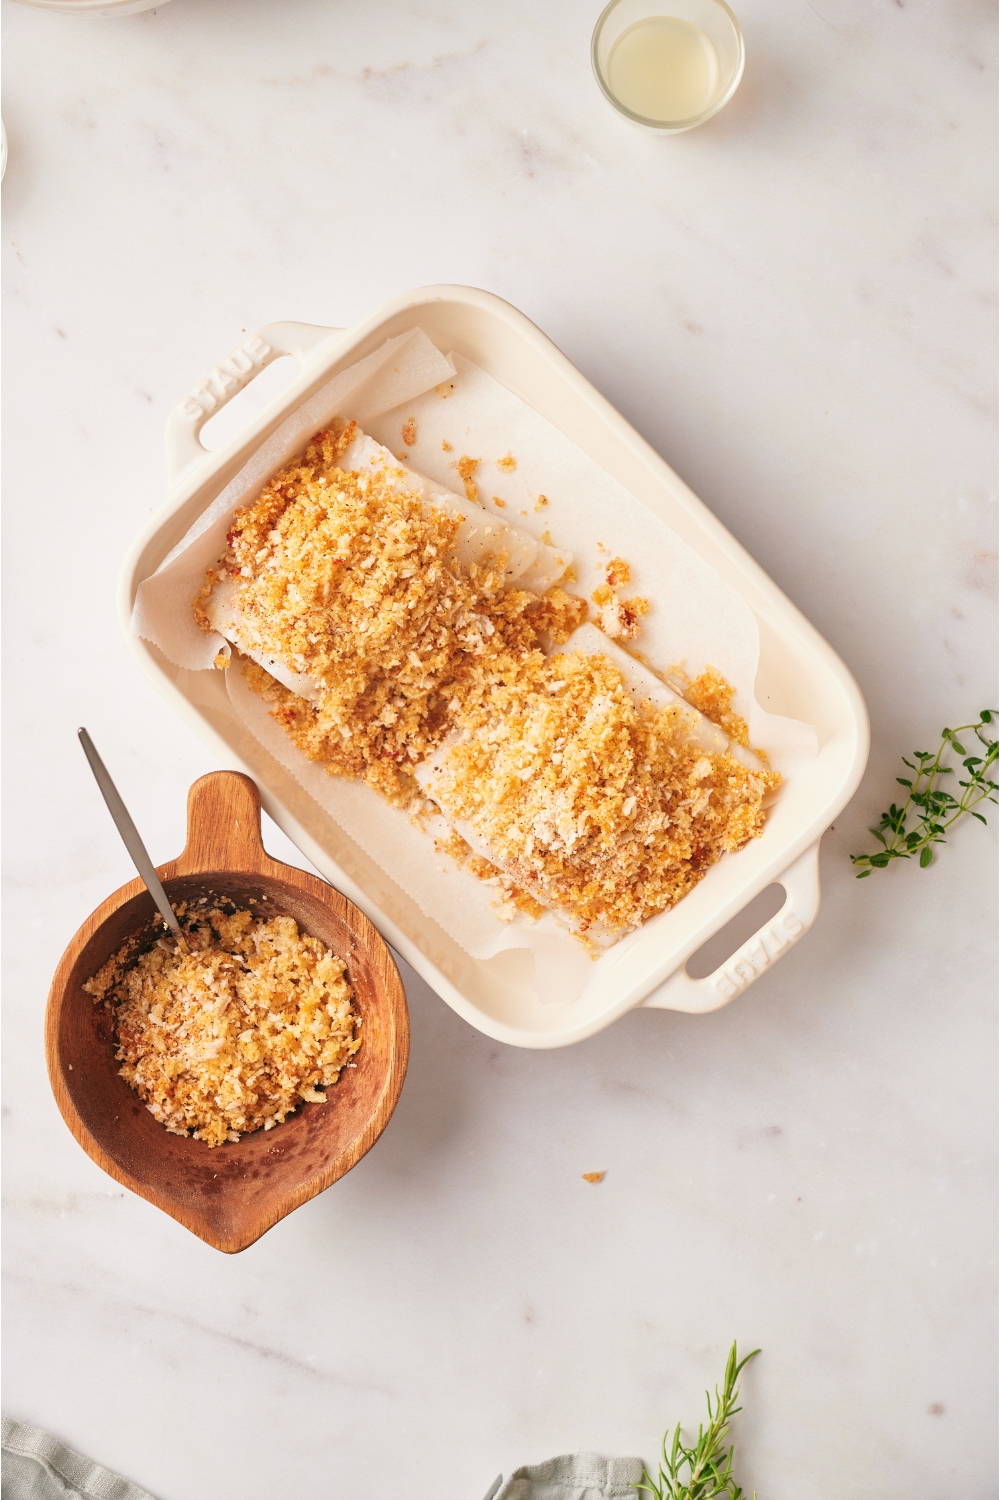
<point x="795" y="305"/>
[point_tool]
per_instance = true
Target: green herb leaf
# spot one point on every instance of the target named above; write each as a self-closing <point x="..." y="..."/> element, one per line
<point x="933" y="810"/>
<point x="709" y="1463"/>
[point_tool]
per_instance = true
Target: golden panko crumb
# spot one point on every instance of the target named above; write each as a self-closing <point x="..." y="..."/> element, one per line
<point x="445" y="445"/>
<point x="498" y="501"/>
<point x="711" y="695"/>
<point x="445" y="389"/>
<point x="409" y="432"/>
<point x="466" y="467"/>
<point x="541" y="502"/>
<point x="233" y="1035"/>
<point x="507" y="464"/>
<point x="617" y="572"/>
<point x="594" y="1176"/>
<point x="618" y="618"/>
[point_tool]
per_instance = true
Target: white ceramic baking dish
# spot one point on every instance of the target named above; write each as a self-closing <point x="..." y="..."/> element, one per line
<point x="799" y="675"/>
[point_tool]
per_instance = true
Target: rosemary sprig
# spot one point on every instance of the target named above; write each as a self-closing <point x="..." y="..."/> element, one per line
<point x="709" y="1463"/>
<point x="935" y="810"/>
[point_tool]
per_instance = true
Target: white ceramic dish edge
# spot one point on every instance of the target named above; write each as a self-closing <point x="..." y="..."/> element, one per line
<point x="794" y="658"/>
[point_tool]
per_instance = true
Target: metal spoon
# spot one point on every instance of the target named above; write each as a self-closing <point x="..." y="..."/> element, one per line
<point x="130" y="837"/>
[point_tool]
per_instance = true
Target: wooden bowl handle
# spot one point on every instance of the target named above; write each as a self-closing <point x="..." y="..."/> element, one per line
<point x="223" y="827"/>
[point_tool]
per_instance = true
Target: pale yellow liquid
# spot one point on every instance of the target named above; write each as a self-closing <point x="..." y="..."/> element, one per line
<point x="663" y="69"/>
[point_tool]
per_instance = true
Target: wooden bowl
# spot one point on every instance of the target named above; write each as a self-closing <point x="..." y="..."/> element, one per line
<point x="228" y="1195"/>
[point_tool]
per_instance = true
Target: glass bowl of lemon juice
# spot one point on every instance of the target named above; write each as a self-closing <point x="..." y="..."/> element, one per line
<point x="670" y="66"/>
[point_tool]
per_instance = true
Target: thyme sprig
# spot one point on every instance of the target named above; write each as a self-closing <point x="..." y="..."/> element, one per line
<point x="934" y="809"/>
<point x="709" y="1462"/>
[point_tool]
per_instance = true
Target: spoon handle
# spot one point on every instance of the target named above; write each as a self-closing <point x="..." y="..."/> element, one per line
<point x="130" y="836"/>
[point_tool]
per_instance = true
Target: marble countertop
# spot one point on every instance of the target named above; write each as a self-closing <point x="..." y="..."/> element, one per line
<point x="795" y="306"/>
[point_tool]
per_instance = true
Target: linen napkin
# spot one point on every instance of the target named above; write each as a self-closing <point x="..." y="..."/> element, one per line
<point x="574" y="1476"/>
<point x="36" y="1466"/>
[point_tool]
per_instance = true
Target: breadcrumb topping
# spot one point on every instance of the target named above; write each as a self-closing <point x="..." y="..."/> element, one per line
<point x="232" y="1036"/>
<point x="434" y="686"/>
<point x="607" y="810"/>
<point x="354" y="583"/>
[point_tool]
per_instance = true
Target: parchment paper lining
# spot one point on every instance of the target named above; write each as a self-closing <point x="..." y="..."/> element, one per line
<point x="453" y="409"/>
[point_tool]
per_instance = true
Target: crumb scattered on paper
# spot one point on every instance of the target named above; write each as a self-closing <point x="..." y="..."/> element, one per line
<point x="594" y="1176"/>
<point x="446" y="445"/>
<point x="466" y="467"/>
<point x="619" y="618"/>
<point x="507" y="464"/>
<point x="409" y="432"/>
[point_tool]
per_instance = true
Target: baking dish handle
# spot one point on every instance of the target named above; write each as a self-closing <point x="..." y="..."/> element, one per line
<point x="228" y="377"/>
<point x="801" y="883"/>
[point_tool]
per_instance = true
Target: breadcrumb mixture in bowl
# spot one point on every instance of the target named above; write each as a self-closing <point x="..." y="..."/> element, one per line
<point x="235" y="1034"/>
